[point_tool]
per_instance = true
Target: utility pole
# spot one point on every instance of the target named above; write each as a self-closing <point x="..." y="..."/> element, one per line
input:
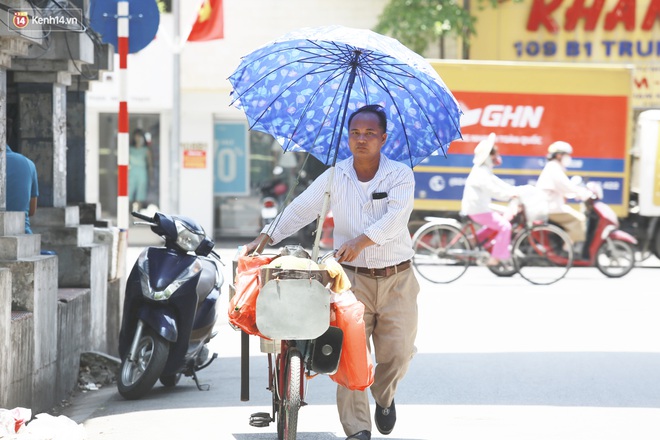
<point x="176" y="111"/>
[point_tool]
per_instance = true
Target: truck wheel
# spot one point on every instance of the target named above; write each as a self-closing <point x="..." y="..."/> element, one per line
<point x="656" y="243"/>
<point x="137" y="377"/>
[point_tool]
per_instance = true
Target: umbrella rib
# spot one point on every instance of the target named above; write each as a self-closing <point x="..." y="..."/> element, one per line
<point x="257" y="82"/>
<point x="337" y="70"/>
<point x="423" y="78"/>
<point x="307" y="106"/>
<point x="328" y="55"/>
<point x="310" y="60"/>
<point x="346" y="51"/>
<point x="275" y="98"/>
<point x="380" y="79"/>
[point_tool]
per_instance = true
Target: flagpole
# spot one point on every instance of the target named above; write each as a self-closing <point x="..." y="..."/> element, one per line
<point x="176" y="110"/>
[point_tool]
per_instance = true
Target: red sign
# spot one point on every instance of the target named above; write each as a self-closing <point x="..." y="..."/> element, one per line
<point x="194" y="159"/>
<point x="526" y="124"/>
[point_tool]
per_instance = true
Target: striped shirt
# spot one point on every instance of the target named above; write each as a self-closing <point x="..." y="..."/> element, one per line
<point x="383" y="220"/>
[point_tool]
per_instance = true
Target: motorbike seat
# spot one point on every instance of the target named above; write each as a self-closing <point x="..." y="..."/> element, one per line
<point x="207" y="279"/>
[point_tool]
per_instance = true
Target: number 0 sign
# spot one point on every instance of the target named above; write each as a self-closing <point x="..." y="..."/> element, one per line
<point x="231" y="163"/>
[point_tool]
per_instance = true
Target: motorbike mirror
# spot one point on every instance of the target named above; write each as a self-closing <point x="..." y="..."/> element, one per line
<point x="596" y="189"/>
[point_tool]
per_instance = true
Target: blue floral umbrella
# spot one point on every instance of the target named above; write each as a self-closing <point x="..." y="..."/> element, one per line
<point x="302" y="87"/>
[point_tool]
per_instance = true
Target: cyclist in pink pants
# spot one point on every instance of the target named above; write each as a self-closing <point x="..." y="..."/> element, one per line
<point x="481" y="187"/>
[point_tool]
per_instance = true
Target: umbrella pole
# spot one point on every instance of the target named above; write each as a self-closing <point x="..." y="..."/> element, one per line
<point x="326" y="196"/>
<point x="321" y="219"/>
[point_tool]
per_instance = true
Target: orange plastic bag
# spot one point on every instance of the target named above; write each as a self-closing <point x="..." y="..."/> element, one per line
<point x="243" y="305"/>
<point x="356" y="368"/>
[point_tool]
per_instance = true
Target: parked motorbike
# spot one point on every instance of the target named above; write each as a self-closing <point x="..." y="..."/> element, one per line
<point x="607" y="247"/>
<point x="169" y="307"/>
<point x="273" y="195"/>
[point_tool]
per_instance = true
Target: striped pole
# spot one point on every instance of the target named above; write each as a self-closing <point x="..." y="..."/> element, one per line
<point x="122" y="136"/>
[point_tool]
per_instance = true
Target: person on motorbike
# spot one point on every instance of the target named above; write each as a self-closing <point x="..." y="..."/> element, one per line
<point x="558" y="187"/>
<point x="481" y="187"/>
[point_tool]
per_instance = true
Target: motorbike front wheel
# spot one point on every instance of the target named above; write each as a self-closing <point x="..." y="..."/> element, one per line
<point x="289" y="403"/>
<point x="615" y="258"/>
<point x="137" y="377"/>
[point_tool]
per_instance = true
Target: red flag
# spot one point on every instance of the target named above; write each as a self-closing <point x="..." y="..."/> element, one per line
<point x="209" y="24"/>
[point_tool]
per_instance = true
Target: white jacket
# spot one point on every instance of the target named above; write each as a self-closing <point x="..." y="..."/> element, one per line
<point x="481" y="187"/>
<point x="557" y="187"/>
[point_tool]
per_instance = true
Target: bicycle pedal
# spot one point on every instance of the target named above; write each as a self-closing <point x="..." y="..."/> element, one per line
<point x="481" y="261"/>
<point x="260" y="420"/>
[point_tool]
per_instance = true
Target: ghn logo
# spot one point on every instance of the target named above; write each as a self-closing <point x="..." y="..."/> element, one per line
<point x="501" y="115"/>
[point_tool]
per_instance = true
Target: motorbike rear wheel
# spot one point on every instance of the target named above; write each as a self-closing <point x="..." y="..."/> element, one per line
<point x="615" y="258"/>
<point x="290" y="399"/>
<point x="137" y="377"/>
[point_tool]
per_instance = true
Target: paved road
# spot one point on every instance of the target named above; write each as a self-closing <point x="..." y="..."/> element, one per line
<point x="497" y="359"/>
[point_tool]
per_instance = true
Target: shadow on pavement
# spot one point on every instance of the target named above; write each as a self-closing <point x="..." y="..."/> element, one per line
<point x="549" y="379"/>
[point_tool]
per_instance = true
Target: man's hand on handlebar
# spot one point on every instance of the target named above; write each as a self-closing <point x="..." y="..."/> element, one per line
<point x="258" y="244"/>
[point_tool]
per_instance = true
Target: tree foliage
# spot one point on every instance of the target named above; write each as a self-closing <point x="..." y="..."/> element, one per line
<point x="417" y="23"/>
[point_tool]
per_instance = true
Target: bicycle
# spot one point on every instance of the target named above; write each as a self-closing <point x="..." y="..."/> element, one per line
<point x="444" y="249"/>
<point x="293" y="312"/>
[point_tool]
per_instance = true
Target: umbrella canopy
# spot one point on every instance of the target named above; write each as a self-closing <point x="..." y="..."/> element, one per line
<point x="302" y="87"/>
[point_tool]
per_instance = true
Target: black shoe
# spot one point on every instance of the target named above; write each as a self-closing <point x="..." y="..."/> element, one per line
<point x="362" y="435"/>
<point x="385" y="418"/>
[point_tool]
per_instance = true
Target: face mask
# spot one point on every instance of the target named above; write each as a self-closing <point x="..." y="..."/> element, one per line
<point x="566" y="161"/>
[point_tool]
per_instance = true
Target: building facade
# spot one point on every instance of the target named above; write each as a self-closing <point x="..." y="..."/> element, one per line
<point x="216" y="172"/>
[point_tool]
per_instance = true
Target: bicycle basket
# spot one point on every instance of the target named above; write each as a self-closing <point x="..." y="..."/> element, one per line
<point x="293" y="304"/>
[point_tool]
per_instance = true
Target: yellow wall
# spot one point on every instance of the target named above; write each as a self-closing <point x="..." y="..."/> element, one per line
<point x="503" y="34"/>
<point x="535" y="77"/>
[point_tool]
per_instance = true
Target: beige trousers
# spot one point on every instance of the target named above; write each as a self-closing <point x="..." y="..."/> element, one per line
<point x="390" y="316"/>
<point x="573" y="222"/>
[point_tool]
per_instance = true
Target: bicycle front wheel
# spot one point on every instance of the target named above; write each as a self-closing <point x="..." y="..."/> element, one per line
<point x="442" y="253"/>
<point x="287" y="419"/>
<point x="543" y="254"/>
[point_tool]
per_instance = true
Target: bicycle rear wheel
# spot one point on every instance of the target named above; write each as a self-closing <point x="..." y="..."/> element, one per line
<point x="442" y="253"/>
<point x="543" y="254"/>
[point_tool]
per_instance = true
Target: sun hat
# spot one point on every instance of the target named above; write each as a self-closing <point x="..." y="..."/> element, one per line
<point x="559" y="147"/>
<point x="483" y="149"/>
